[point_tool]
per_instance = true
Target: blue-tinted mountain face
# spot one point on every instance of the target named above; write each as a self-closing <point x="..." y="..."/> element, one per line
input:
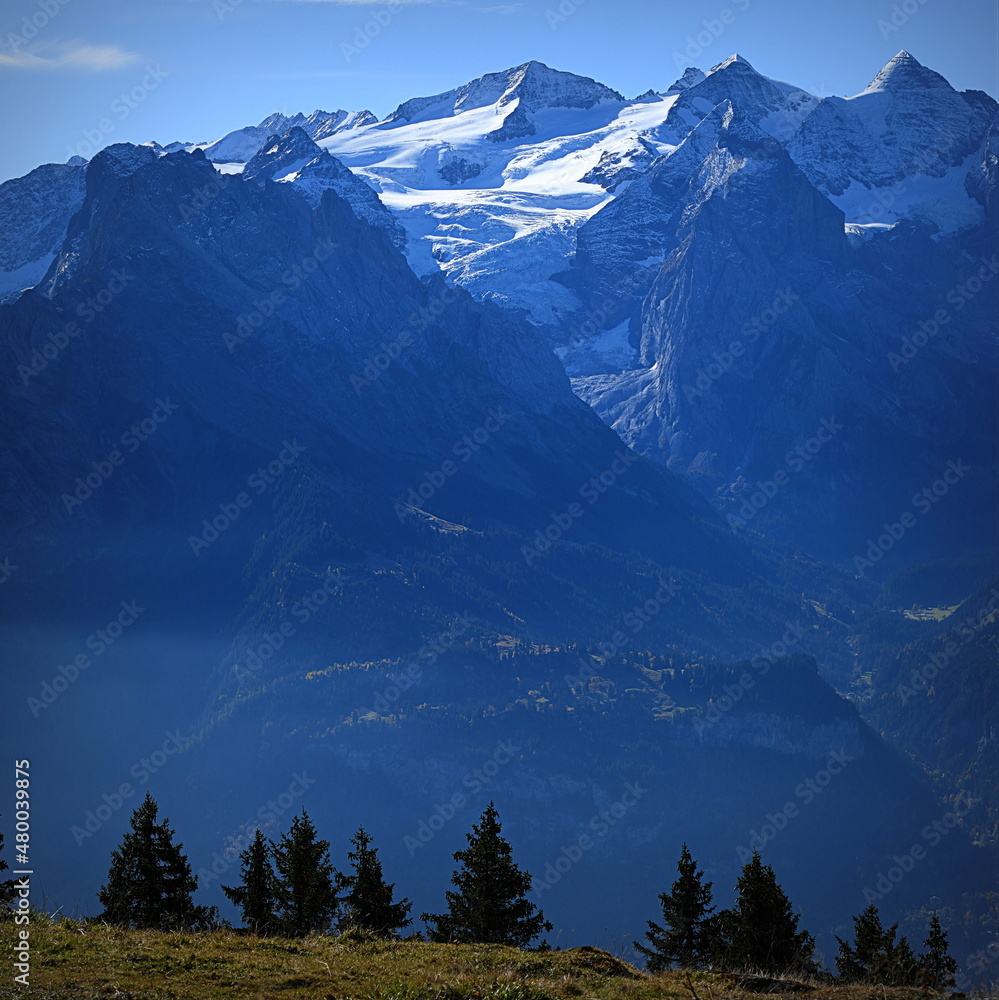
<point x="485" y="452"/>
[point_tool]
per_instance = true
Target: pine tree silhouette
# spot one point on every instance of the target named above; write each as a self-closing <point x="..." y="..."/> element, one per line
<point x="875" y="957"/>
<point x="903" y="968"/>
<point x="859" y="962"/>
<point x="936" y="968"/>
<point x="490" y="906"/>
<point x="368" y="901"/>
<point x="150" y="881"/>
<point x="257" y="896"/>
<point x="760" y="932"/>
<point x="307" y="900"/>
<point x="681" y="939"/>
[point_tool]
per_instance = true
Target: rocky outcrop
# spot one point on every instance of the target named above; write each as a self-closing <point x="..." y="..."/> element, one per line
<point x="616" y="167"/>
<point x="516" y="125"/>
<point x="34" y="214"/>
<point x="293" y="158"/>
<point x="455" y="169"/>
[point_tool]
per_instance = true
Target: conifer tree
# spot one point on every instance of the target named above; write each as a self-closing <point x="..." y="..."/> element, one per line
<point x="307" y="900"/>
<point x="257" y="896"/>
<point x="903" y="967"/>
<point x="681" y="939"/>
<point x="936" y="968"/>
<point x="490" y="906"/>
<point x="368" y="901"/>
<point x="150" y="881"/>
<point x="859" y="962"/>
<point x="875" y="958"/>
<point x="760" y="932"/>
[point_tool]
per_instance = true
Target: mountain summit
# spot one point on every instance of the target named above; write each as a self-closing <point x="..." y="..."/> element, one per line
<point x="534" y="85"/>
<point x="903" y="72"/>
<point x="240" y="145"/>
<point x="295" y="159"/>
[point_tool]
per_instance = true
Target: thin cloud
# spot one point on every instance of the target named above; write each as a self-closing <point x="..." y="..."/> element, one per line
<point x="68" y="55"/>
<point x="506" y="8"/>
<point x="509" y="8"/>
<point x="381" y="3"/>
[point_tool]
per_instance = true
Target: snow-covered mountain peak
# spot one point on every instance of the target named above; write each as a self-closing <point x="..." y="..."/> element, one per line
<point x="737" y="79"/>
<point x="530" y="87"/>
<point x="277" y="121"/>
<point x="692" y="76"/>
<point x="538" y="86"/>
<point x="293" y="139"/>
<point x="778" y="108"/>
<point x="282" y="155"/>
<point x="734" y="60"/>
<point x="241" y="145"/>
<point x="904" y="73"/>
<point x="909" y="125"/>
<point x="321" y="124"/>
<point x="293" y="158"/>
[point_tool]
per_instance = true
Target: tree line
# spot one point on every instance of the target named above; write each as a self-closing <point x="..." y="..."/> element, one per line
<point x="760" y="932"/>
<point x="290" y="887"/>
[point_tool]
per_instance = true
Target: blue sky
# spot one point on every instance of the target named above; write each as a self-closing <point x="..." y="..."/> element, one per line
<point x="79" y="74"/>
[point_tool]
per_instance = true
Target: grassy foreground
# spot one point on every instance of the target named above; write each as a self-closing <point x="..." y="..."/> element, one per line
<point x="72" y="961"/>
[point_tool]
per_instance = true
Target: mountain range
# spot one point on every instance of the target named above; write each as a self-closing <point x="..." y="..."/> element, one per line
<point x="685" y="252"/>
<point x="529" y="416"/>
